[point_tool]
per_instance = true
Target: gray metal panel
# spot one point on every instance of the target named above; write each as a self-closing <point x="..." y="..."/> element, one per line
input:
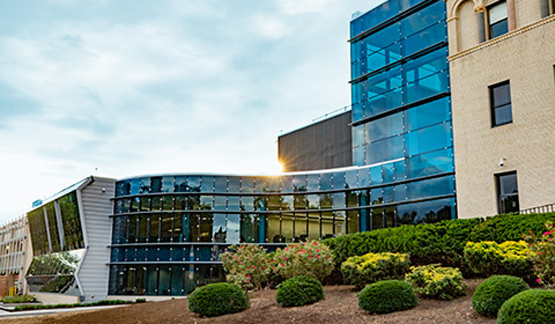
<point x="94" y="272"/>
<point x="323" y="145"/>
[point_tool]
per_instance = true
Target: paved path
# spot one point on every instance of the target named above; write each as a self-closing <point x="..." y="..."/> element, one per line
<point x="6" y="314"/>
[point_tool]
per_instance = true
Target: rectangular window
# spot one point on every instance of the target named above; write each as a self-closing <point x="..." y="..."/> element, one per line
<point x="500" y="99"/>
<point x="498" y="22"/>
<point x="507" y="193"/>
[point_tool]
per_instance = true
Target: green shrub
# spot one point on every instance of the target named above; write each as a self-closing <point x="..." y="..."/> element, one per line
<point x="247" y="265"/>
<point x="387" y="296"/>
<point x="299" y="291"/>
<point x="543" y="254"/>
<point x="217" y="299"/>
<point x="19" y="299"/>
<point x="306" y="258"/>
<point x="533" y="306"/>
<point x="510" y="227"/>
<point x="373" y="267"/>
<point x="492" y="293"/>
<point x="491" y="258"/>
<point x="441" y="242"/>
<point x="433" y="281"/>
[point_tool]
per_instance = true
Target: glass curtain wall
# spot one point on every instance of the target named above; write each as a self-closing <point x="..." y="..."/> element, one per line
<point x="402" y="106"/>
<point x="57" y="241"/>
<point x="172" y="234"/>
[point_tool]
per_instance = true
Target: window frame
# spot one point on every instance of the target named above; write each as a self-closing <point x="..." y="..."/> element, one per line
<point x="488" y="22"/>
<point x="494" y="107"/>
<point x="500" y="195"/>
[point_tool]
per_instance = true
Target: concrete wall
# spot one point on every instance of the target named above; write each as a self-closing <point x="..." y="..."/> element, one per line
<point x="94" y="272"/>
<point x="51" y="298"/>
<point x="526" y="57"/>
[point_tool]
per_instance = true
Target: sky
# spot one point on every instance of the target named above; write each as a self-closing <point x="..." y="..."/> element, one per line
<point x="125" y="88"/>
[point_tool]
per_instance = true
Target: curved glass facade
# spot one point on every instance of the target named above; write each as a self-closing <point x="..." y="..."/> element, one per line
<point x="169" y="230"/>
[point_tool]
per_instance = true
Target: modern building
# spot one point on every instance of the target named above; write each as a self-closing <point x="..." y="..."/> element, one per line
<point x="14" y="242"/>
<point x="413" y="111"/>
<point x="161" y="235"/>
<point x="502" y="56"/>
<point x="70" y="235"/>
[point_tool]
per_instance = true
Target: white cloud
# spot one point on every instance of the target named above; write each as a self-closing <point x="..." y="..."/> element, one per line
<point x="304" y="6"/>
<point x="170" y="86"/>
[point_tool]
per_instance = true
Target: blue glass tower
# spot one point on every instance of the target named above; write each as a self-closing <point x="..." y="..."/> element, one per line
<point x="401" y="104"/>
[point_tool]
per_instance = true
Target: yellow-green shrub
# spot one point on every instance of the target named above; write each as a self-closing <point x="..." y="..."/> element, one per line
<point x="490" y="258"/>
<point x="434" y="281"/>
<point x="373" y="267"/>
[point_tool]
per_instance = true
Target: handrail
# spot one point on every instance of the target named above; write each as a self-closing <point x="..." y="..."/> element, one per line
<point x="539" y="209"/>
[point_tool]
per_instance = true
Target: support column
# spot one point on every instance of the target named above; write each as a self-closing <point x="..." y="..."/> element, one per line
<point x="511" y="14"/>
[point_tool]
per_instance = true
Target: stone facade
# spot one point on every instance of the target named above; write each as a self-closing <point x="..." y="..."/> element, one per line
<point x="525" y="56"/>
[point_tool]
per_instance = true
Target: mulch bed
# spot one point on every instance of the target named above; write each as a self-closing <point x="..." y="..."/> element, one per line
<point x="340" y="306"/>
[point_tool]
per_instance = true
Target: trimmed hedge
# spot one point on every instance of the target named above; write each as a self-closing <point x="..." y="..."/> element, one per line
<point x="441" y="242"/>
<point x="218" y="299"/>
<point x="492" y="293"/>
<point x="533" y="306"/>
<point x="19" y="299"/>
<point x="387" y="296"/>
<point x="433" y="281"/>
<point x="490" y="258"/>
<point x="299" y="291"/>
<point x="373" y="267"/>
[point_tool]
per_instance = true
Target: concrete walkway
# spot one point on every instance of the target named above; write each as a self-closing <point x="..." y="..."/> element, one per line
<point x="39" y="312"/>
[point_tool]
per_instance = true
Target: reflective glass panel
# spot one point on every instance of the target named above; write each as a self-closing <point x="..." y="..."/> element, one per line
<point x="219" y="228"/>
<point x="429" y="139"/>
<point x="233" y="228"/>
<point x="431" y="188"/>
<point x="428" y="114"/>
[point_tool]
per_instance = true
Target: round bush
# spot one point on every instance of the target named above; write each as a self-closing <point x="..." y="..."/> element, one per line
<point x="492" y="293"/>
<point x="387" y="296"/>
<point x="299" y="291"/>
<point x="218" y="299"/>
<point x="531" y="307"/>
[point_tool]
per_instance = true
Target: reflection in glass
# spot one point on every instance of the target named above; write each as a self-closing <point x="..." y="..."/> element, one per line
<point x="73" y="233"/>
<point x="54" y="273"/>
<point x="219" y="228"/>
<point x="37" y="228"/>
<point x="352" y="222"/>
<point x="249" y="228"/>
<point x="233" y="228"/>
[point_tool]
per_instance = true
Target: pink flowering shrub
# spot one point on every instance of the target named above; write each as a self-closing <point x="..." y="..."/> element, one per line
<point x="543" y="254"/>
<point x="306" y="258"/>
<point x="246" y="265"/>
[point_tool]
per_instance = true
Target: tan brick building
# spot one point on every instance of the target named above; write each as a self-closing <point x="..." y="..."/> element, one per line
<point x="502" y="57"/>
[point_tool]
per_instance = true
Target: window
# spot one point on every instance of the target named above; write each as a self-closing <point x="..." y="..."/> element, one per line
<point x="498" y="22"/>
<point x="500" y="98"/>
<point x="507" y="193"/>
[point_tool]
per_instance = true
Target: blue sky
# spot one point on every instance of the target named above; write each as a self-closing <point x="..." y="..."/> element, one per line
<point x="135" y="87"/>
